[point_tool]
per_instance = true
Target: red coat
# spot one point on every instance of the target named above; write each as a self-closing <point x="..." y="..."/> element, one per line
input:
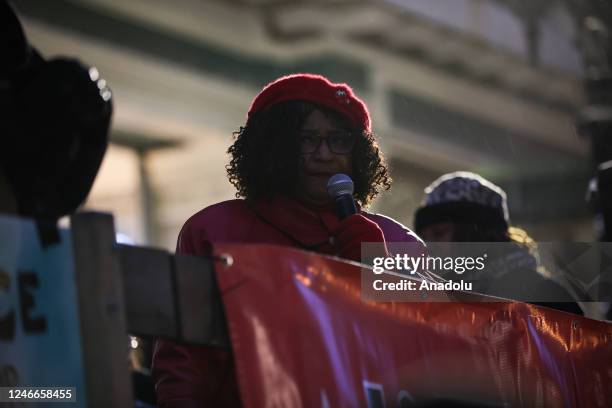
<point x="204" y="376"/>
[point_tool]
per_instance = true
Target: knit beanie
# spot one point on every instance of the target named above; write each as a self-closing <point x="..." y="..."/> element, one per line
<point x="462" y="197"/>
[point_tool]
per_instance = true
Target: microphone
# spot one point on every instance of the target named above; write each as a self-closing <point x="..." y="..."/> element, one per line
<point x="340" y="188"/>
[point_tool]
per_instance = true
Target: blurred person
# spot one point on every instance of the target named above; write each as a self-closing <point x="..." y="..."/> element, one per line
<point x="301" y="130"/>
<point x="55" y="123"/>
<point x="465" y="207"/>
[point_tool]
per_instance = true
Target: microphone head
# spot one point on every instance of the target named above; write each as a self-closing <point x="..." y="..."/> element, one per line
<point x="339" y="185"/>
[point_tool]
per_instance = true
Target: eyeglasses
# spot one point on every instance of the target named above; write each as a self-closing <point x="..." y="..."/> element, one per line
<point x="338" y="141"/>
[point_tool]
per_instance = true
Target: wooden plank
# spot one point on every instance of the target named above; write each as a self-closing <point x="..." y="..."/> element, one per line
<point x="149" y="291"/>
<point x="201" y="315"/>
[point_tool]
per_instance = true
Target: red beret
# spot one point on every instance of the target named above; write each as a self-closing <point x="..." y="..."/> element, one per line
<point x="317" y="89"/>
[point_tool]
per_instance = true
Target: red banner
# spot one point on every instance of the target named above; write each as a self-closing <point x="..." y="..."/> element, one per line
<point x="303" y="337"/>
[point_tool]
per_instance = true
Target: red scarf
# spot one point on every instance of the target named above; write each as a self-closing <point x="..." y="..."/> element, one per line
<point x="311" y="228"/>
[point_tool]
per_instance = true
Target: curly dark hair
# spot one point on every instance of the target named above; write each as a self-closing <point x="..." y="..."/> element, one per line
<point x="265" y="154"/>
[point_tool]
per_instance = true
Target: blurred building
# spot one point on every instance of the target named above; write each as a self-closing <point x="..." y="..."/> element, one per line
<point x="482" y="85"/>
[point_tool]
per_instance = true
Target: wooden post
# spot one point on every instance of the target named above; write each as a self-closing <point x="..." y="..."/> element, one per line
<point x="101" y="311"/>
